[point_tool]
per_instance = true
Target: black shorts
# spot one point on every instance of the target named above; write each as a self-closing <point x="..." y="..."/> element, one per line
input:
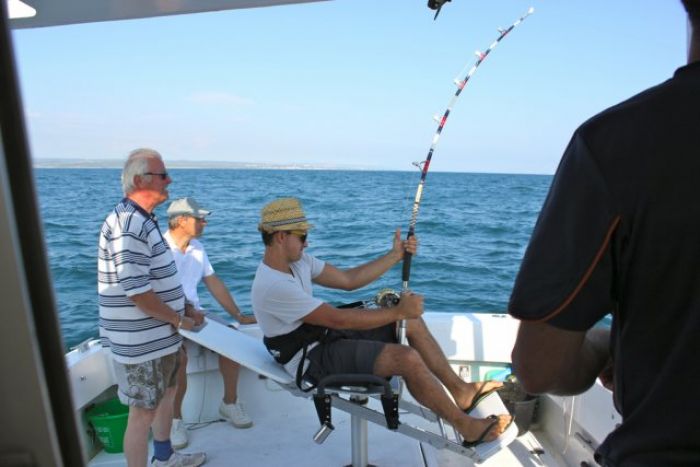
<point x="349" y="352"/>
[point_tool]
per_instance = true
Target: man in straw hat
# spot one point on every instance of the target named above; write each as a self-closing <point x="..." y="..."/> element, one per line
<point x="294" y="322"/>
<point x="186" y="222"/>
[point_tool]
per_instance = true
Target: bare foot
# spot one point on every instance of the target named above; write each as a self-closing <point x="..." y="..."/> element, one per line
<point x="470" y="391"/>
<point x="472" y="429"/>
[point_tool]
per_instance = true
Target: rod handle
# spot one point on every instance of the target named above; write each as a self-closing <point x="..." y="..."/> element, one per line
<point x="406" y="267"/>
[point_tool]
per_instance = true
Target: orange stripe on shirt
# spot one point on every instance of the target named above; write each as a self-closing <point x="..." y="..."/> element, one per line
<point x="586" y="276"/>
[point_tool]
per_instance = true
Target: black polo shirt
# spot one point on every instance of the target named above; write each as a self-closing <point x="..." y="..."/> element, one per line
<point x="619" y="233"/>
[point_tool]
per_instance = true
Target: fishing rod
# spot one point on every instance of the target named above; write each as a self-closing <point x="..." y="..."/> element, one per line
<point x="425" y="165"/>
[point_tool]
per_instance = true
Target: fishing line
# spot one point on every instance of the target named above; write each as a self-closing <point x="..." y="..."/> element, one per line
<point x="424" y="166"/>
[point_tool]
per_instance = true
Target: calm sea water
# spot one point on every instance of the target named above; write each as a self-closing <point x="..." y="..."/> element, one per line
<point x="472" y="228"/>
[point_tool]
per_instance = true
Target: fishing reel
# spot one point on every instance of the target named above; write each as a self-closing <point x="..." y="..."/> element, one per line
<point x="387" y="298"/>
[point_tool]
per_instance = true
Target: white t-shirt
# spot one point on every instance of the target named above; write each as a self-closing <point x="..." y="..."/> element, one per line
<point x="193" y="265"/>
<point x="281" y="300"/>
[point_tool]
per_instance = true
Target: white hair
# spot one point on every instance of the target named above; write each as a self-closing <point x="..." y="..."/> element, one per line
<point x="137" y="164"/>
<point x="174" y="221"/>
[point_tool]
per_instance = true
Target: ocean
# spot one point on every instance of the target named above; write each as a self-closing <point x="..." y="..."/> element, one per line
<point x="472" y="229"/>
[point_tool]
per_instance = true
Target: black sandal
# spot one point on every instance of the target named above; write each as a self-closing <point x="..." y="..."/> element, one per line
<point x="480" y="440"/>
<point x="480" y="396"/>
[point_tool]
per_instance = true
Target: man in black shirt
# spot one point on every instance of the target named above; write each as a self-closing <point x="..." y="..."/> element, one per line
<point x="619" y="233"/>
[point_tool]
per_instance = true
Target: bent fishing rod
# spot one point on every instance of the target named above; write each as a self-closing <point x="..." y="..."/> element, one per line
<point x="425" y="165"/>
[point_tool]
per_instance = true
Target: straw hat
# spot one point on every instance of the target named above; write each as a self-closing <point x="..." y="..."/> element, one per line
<point x="283" y="214"/>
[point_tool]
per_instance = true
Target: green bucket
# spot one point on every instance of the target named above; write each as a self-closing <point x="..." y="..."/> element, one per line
<point x="109" y="420"/>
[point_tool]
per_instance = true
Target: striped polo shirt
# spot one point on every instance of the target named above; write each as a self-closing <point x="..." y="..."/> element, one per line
<point x="133" y="258"/>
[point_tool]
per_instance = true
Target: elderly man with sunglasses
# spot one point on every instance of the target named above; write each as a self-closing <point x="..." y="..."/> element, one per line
<point x="142" y="306"/>
<point x="313" y="339"/>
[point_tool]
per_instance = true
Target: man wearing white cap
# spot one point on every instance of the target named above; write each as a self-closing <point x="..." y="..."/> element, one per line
<point x="313" y="339"/>
<point x="186" y="221"/>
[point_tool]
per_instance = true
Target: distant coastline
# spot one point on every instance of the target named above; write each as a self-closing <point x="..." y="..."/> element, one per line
<point x="209" y="165"/>
<point x="174" y="164"/>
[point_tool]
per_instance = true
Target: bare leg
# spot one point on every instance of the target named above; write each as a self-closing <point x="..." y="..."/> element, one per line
<point x="406" y="362"/>
<point x="229" y="370"/>
<point x="163" y="419"/>
<point x="420" y="338"/>
<point x="181" y="385"/>
<point x="136" y="436"/>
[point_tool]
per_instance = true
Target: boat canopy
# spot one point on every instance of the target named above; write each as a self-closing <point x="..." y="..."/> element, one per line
<point x="42" y="13"/>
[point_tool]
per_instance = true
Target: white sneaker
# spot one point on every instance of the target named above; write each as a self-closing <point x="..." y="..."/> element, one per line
<point x="180" y="459"/>
<point x="236" y="414"/>
<point x="178" y="434"/>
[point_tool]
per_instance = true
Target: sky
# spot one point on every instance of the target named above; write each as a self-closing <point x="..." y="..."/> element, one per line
<point x="347" y="82"/>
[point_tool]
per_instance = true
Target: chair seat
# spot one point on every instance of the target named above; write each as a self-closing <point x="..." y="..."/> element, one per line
<point x="363" y="384"/>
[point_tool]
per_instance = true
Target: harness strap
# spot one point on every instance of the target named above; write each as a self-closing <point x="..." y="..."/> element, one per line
<point x="283" y="348"/>
<point x="300" y="370"/>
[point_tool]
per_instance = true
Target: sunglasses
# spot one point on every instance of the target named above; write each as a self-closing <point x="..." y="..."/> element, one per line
<point x="301" y="234"/>
<point x="162" y="176"/>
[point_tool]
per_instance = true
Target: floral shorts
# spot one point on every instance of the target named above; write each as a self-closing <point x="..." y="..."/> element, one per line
<point x="144" y="384"/>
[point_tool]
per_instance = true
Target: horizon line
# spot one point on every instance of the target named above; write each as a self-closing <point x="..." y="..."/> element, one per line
<point x="78" y="163"/>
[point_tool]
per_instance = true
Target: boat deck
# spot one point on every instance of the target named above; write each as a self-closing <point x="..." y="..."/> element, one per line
<point x="285" y="424"/>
